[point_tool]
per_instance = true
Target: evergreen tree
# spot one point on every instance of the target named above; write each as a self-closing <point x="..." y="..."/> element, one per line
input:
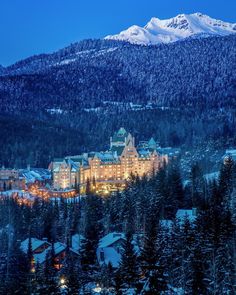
<point x="107" y="276"/>
<point x="196" y="284"/>
<point x="71" y="272"/>
<point x="197" y="186"/>
<point x="16" y="278"/>
<point x="129" y="269"/>
<point x="128" y="210"/>
<point x="176" y="193"/>
<point x="118" y="283"/>
<point x="51" y="283"/>
<point x="152" y="260"/>
<point x="149" y="251"/>
<point x="226" y="180"/>
<point x="30" y="256"/>
<point x="94" y="213"/>
<point x="161" y="191"/>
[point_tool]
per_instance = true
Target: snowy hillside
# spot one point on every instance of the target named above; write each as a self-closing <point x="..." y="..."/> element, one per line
<point x="177" y="28"/>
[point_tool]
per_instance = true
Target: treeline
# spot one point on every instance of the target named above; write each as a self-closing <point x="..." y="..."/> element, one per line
<point x="188" y="257"/>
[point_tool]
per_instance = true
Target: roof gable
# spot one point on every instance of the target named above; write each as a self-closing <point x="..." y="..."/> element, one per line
<point x="110" y="239"/>
<point x="36" y="243"/>
<point x="152" y="142"/>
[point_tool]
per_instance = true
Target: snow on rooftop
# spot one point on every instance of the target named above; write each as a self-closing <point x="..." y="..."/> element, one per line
<point x="110" y="256"/>
<point x="36" y="243"/>
<point x="19" y="193"/>
<point x="212" y="176"/>
<point x="77" y="240"/>
<point x="230" y="151"/>
<point x="166" y="224"/>
<point x="110" y="239"/>
<point x="186" y="182"/>
<point x="59" y="247"/>
<point x="33" y="174"/>
<point x="183" y="214"/>
<point x="108" y="252"/>
<point x="41" y="257"/>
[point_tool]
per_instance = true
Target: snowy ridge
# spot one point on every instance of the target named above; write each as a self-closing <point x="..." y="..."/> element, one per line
<point x="174" y="29"/>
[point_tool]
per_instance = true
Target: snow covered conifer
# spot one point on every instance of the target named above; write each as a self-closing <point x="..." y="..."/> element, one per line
<point x="129" y="269"/>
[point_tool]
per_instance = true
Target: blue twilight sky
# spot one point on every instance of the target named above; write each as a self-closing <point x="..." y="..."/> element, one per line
<point x="30" y="27"/>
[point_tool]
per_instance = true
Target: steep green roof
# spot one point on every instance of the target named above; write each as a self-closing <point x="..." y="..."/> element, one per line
<point x="77" y="159"/>
<point x="120" y="135"/>
<point x="117" y="149"/>
<point x="152" y="144"/>
<point x="121" y="131"/>
<point x="58" y="160"/>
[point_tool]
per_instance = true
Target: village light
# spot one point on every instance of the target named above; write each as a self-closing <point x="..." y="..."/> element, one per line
<point x="106" y="191"/>
<point x="97" y="289"/>
<point x="62" y="285"/>
<point x="62" y="281"/>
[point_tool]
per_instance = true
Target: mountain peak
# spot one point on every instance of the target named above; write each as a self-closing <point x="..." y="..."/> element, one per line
<point x="177" y="28"/>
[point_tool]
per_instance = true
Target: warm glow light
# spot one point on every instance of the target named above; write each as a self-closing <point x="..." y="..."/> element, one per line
<point x="97" y="289"/>
<point x="62" y="281"/>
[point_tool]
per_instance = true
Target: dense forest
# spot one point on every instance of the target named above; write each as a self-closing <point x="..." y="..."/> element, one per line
<point x="27" y="140"/>
<point x="192" y="257"/>
<point x="198" y="72"/>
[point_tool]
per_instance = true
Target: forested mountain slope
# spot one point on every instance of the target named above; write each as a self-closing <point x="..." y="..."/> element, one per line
<point x="57" y="104"/>
<point x="193" y="72"/>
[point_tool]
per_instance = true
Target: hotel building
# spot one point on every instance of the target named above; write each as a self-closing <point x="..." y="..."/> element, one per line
<point x="109" y="170"/>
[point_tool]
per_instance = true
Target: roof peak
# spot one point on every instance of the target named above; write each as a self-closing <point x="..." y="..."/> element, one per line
<point x="121" y="131"/>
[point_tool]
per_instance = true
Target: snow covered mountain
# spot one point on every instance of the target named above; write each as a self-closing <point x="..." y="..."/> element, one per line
<point x="177" y="28"/>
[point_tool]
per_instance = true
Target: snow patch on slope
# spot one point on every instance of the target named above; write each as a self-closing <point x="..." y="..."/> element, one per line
<point x="79" y="54"/>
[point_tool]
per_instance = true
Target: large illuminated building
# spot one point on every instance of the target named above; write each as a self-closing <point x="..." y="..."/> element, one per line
<point x="108" y="171"/>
